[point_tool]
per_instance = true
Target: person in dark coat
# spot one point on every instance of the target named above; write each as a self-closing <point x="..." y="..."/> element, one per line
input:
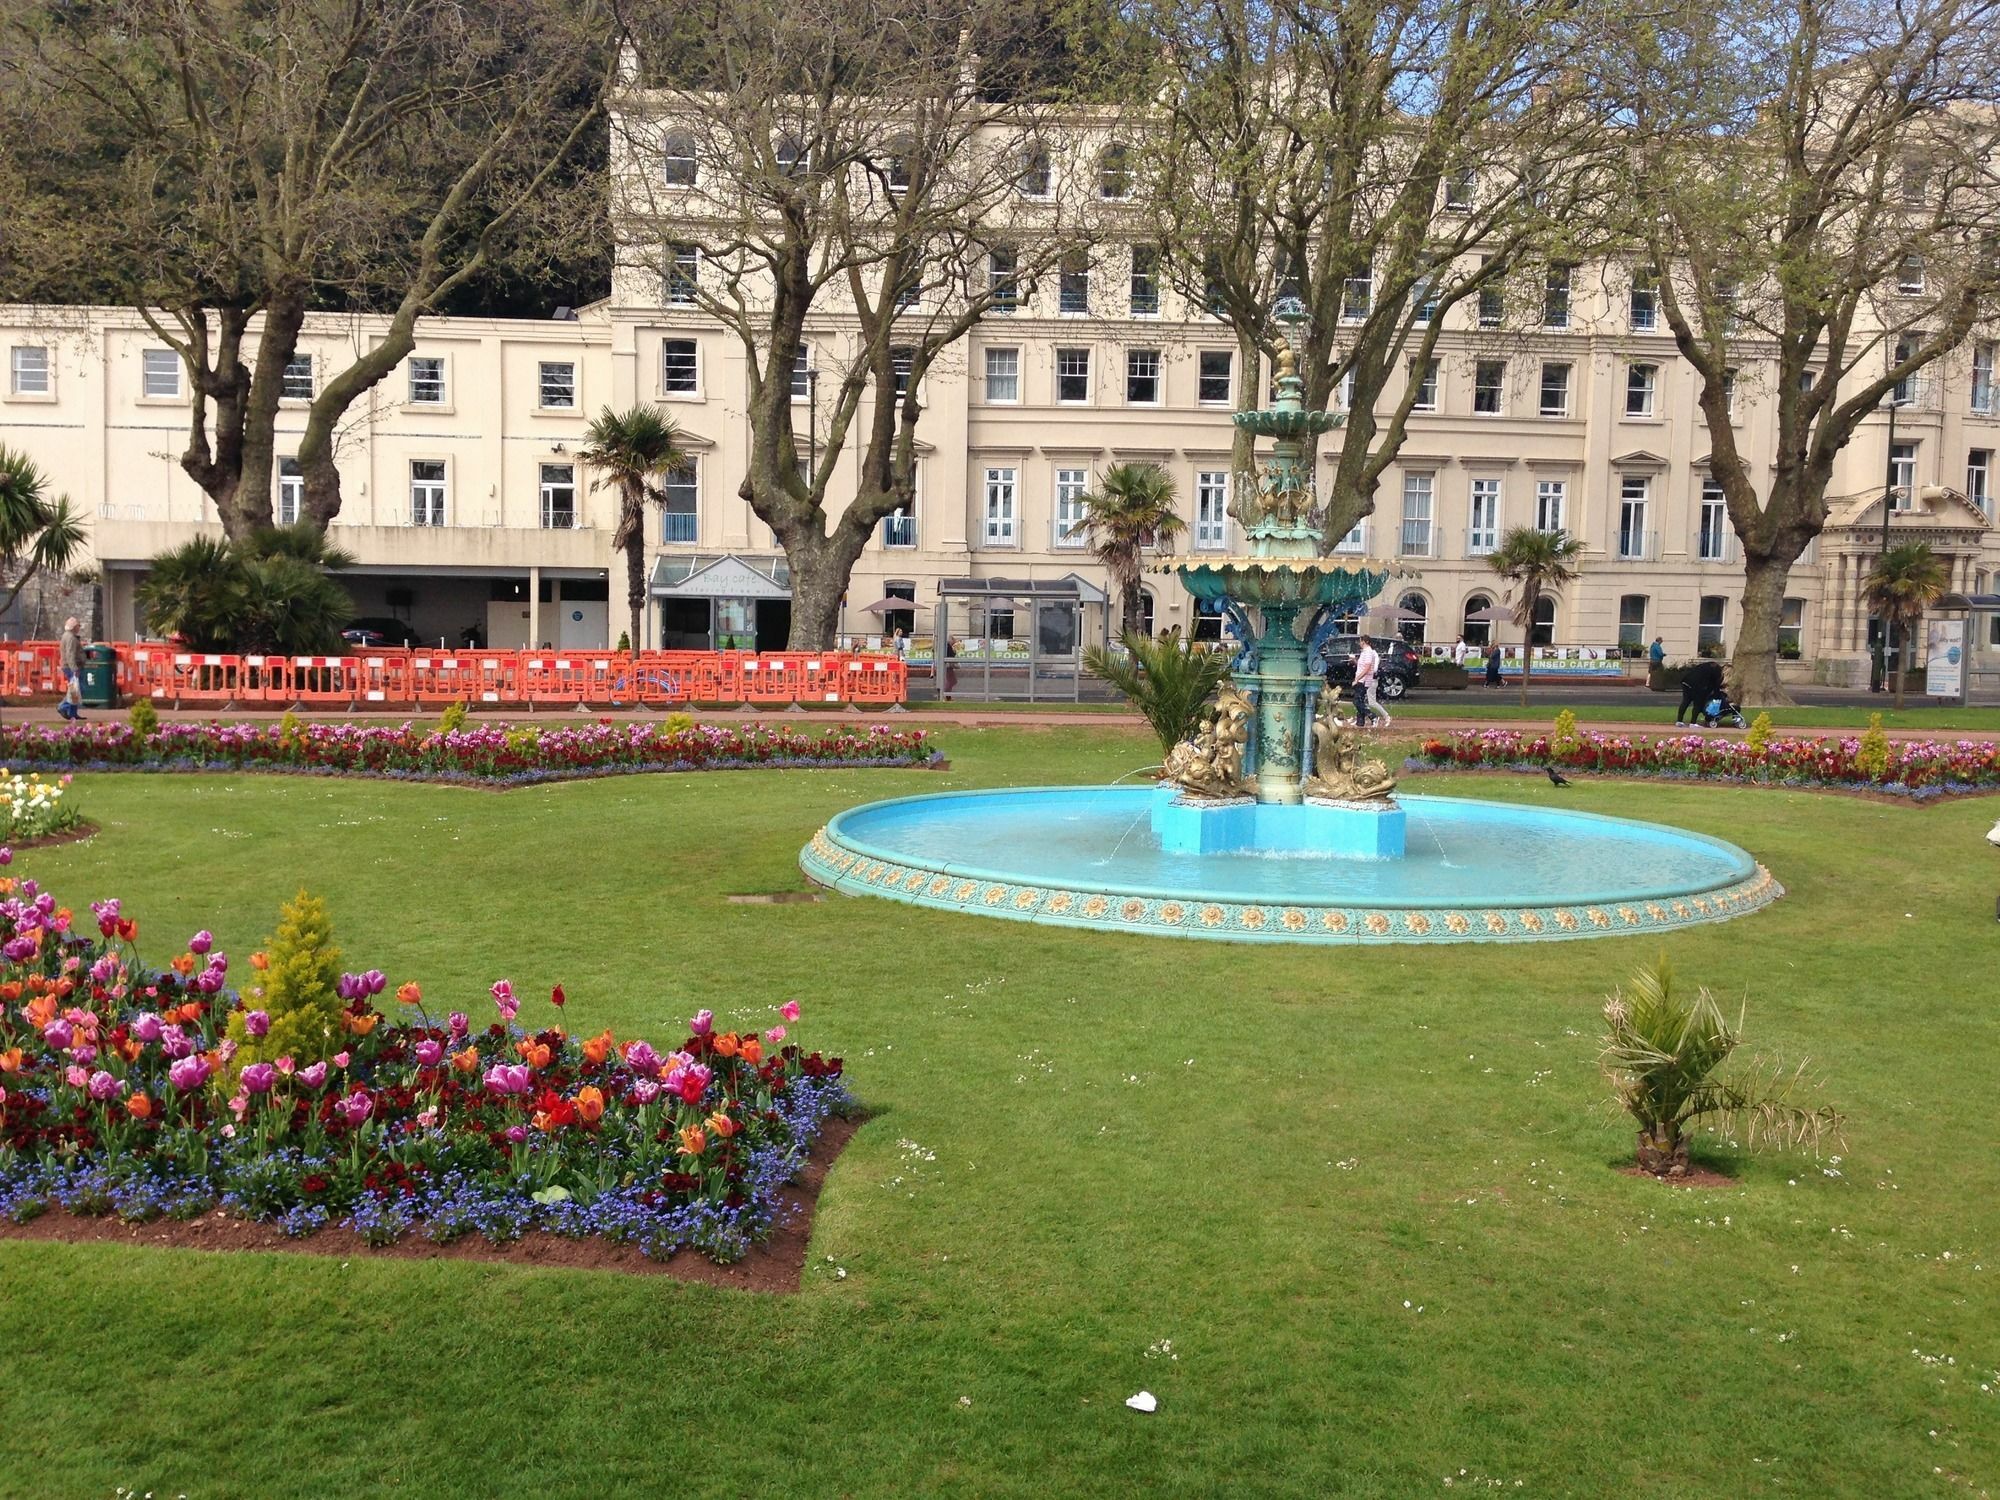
<point x="1493" y="666"/>
<point x="1699" y="683"/>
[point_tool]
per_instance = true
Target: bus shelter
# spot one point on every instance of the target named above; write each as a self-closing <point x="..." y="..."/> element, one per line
<point x="1017" y="639"/>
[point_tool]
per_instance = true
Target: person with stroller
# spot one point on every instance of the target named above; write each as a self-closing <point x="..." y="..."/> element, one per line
<point x="1702" y="691"/>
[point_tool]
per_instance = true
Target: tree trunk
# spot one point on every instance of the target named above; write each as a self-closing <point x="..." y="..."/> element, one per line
<point x="1754" y="668"/>
<point x="821" y="568"/>
<point x="1902" y="656"/>
<point x="635" y="584"/>
<point x="1663" y="1153"/>
<point x="1529" y="600"/>
<point x="1130" y="616"/>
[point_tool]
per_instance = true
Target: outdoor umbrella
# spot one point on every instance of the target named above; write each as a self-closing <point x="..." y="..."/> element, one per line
<point x="886" y="606"/>
<point x="1395" y="614"/>
<point x="1492" y="612"/>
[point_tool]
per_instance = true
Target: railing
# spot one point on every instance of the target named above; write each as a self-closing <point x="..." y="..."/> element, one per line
<point x="1415" y="540"/>
<point x="408" y="678"/>
<point x="1482" y="543"/>
<point x="1637" y="546"/>
<point x="1716" y="549"/>
<point x="679" y="525"/>
<point x="899" y="531"/>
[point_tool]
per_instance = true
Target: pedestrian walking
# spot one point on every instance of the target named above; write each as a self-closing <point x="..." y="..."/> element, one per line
<point x="950" y="666"/>
<point x="1367" y="701"/>
<point x="1700" y="684"/>
<point x="70" y="653"/>
<point x="1458" y="652"/>
<point x="1658" y="654"/>
<point x="1493" y="665"/>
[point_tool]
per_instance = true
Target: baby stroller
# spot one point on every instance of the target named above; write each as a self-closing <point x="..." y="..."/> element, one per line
<point x="1720" y="713"/>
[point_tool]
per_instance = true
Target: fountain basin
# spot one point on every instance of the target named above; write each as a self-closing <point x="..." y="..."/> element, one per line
<point x="1473" y="871"/>
<point x="1204" y="825"/>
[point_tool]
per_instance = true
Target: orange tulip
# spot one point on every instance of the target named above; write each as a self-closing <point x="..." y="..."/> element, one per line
<point x="10" y="992"/>
<point x="722" y="1125"/>
<point x="359" y="1025"/>
<point x="694" y="1140"/>
<point x="189" y="1012"/>
<point x="590" y="1104"/>
<point x="41" y="1011"/>
<point x="139" y="1107"/>
<point x="130" y="1050"/>
<point x="599" y="1047"/>
<point x="535" y="1054"/>
<point x="409" y="994"/>
<point x="725" y="1044"/>
<point x="183" y="964"/>
<point x="260" y="961"/>
<point x="466" y="1061"/>
<point x="753" y="1050"/>
<point x="10" y="1060"/>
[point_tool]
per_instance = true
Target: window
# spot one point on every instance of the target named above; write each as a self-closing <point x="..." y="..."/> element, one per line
<point x="1145" y="611"/>
<point x="902" y="361"/>
<point x="1985" y="398"/>
<point x="1004" y="291"/>
<point x="1356" y="539"/>
<point x="1708" y="629"/>
<point x="1729" y="392"/>
<point x="802" y="374"/>
<point x="1343" y="391"/>
<point x="1492" y="299"/>
<point x="1427" y="386"/>
<point x="427" y="492"/>
<point x="680" y="368"/>
<point x="1549" y="497"/>
<point x="897" y="168"/>
<point x="1792" y="629"/>
<point x="1483" y="535"/>
<point x="1214" y="291"/>
<point x="1477" y="632"/>
<point x="1461" y="185"/>
<point x="1416" y="538"/>
<point x="291" y="490"/>
<point x="1211" y="510"/>
<point x="1114" y="172"/>
<point x="1073" y="376"/>
<point x="1632" y="623"/>
<point x="1641" y="383"/>
<point x="1712" y="536"/>
<point x="1033" y="180"/>
<point x="28" y="370"/>
<point x="1071" y="486"/>
<point x="1727" y="312"/>
<point x="1423" y="300"/>
<point x="1543" y="631"/>
<point x="680" y="518"/>
<point x="1555" y="390"/>
<point x="1003" y="376"/>
<point x="1555" y="297"/>
<point x="677" y="160"/>
<point x="1357" y="294"/>
<point x="1904" y="391"/>
<point x="1903" y="473"/>
<point x="683" y="274"/>
<point x="1489" y="384"/>
<point x="899" y="528"/>
<point x="1645" y="299"/>
<point x="1284" y="273"/>
<point x="1633" y="490"/>
<point x="558" y="497"/>
<point x="159" y="374"/>
<point x="556" y="385"/>
<point x="1143" y="299"/>
<point x="1413" y="631"/>
<point x="426" y="381"/>
<point x="296" y="384"/>
<point x="1000" y="506"/>
<point x="1213" y="382"/>
<point x="794" y="156"/>
<point x="1910" y="276"/>
<point x="1208" y="618"/>
<point x="1142" y="377"/>
<point x="1073" y="293"/>
<point x="1979" y="479"/>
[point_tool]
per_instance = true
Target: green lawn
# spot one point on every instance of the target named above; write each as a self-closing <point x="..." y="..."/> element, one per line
<point x="1368" y="1195"/>
<point x="1481" y="703"/>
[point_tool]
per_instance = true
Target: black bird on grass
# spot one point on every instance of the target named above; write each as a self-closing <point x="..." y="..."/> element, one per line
<point x="1556" y="778"/>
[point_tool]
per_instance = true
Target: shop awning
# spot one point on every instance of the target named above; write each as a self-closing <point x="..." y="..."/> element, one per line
<point x="725" y="577"/>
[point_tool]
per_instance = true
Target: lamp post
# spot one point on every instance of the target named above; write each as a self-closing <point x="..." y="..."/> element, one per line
<point x="812" y="424"/>
<point x="1888" y="505"/>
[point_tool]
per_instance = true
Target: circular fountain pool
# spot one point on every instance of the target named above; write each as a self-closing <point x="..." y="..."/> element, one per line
<point x="1472" y="871"/>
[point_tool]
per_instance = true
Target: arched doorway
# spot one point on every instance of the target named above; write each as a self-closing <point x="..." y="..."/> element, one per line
<point x="1414" y="631"/>
<point x="1477" y="632"/>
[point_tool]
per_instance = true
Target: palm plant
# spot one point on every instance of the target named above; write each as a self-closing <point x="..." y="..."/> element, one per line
<point x="34" y="529"/>
<point x="1131" y="509"/>
<point x="271" y="592"/>
<point x="195" y="593"/>
<point x="631" y="449"/>
<point x="1661" y="1056"/>
<point x="1168" y="680"/>
<point x="1905" y="581"/>
<point x="1536" y="563"/>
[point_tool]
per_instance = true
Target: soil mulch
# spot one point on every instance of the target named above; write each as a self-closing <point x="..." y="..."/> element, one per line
<point x="82" y="831"/>
<point x="1693" y="1177"/>
<point x="777" y="1265"/>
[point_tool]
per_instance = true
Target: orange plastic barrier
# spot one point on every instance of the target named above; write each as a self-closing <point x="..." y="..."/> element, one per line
<point x="388" y="678"/>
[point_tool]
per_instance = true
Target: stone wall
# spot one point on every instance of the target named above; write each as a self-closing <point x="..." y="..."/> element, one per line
<point x="37" y="614"/>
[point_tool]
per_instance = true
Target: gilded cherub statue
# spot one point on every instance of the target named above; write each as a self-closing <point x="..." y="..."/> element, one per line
<point x="1340" y="771"/>
<point x="1211" y="763"/>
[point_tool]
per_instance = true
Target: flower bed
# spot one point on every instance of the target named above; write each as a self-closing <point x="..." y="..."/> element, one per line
<point x="124" y="1091"/>
<point x="486" y="754"/>
<point x="32" y="808"/>
<point x="1919" y="769"/>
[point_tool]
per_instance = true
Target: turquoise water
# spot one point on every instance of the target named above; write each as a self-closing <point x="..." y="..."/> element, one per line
<point x="1459" y="852"/>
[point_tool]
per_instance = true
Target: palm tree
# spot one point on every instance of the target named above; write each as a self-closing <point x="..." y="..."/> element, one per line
<point x="271" y="592"/>
<point x="1132" y="509"/>
<point x="631" y="449"/>
<point x="1535" y="563"/>
<point x="1905" y="581"/>
<point x="45" y="533"/>
<point x="195" y="593"/>
<point x="1168" y="680"/>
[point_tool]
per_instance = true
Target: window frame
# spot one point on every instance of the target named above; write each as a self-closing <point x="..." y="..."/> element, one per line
<point x="291" y="482"/>
<point x="1228" y="377"/>
<point x="1157" y="377"/>
<point x="1495" y="390"/>
<point x="670" y="392"/>
<point x="1144" y="284"/>
<point x="15" y="390"/>
<point x="151" y="361"/>
<point x="1979" y="489"/>
<point x="1492" y="489"/>
<point x="435" y="487"/>
<point x="1644" y="291"/>
<point x="1073" y="285"/>
<point x="1418" y="483"/>
<point x="1114" y="166"/>
<point x="547" y="486"/>
<point x="443" y="401"/>
<point x="1710" y="499"/>
<point x="1000" y="523"/>
<point x="1642" y="390"/>
<point x="1429" y="384"/>
<point x="669" y="156"/>
<point x="1080" y="351"/>
<point x="681" y="285"/>
<point x="300" y="365"/>
<point x="1542" y="403"/>
<point x="1558" y="296"/>
<point x="542" y="386"/>
<point x="1211" y="495"/>
<point x="1066" y="498"/>
<point x="1013" y="352"/>
<point x="1635" y="499"/>
<point x="1551" y="492"/>
<point x="671" y="485"/>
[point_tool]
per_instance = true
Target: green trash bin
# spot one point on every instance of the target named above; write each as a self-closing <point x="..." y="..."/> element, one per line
<point x="100" y="677"/>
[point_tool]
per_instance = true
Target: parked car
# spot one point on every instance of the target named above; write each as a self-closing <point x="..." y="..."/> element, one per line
<point x="368" y="632"/>
<point x="1400" y="670"/>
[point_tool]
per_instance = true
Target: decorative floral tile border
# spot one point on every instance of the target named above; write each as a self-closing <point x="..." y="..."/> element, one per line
<point x="830" y="863"/>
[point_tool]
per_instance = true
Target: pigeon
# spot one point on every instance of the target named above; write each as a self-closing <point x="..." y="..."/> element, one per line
<point x="1556" y="778"/>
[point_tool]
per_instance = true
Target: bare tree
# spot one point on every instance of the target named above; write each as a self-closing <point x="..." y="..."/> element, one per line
<point x="1384" y="161"/>
<point x="1814" y="181"/>
<point x="227" y="168"/>
<point x="833" y="175"/>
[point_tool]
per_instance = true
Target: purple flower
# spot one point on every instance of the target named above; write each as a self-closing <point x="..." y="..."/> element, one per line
<point x="105" y="970"/>
<point x="348" y="987"/>
<point x="503" y="996"/>
<point x="313" y="1077"/>
<point x="459" y="1023"/>
<point x="6" y="855"/>
<point x="84" y="1053"/>
<point x="201" y="942"/>
<point x="355" y="1108"/>
<point x="19" y="949"/>
<point x="58" y="1033"/>
<point x="374" y="982"/>
<point x="174" y="1042"/>
<point x="517" y="1133"/>
<point x="189" y="1074"/>
<point x="75" y="1077"/>
<point x="642" y="1059"/>
<point x="430" y="1052"/>
<point x="257" y="1022"/>
<point x="103" y="1086"/>
<point x="503" y="1078"/>
<point x="645" y="1091"/>
<point x="258" y="1077"/>
<point x="703" y="1022"/>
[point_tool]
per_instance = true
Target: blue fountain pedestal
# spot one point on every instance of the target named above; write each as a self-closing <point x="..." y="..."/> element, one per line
<point x="1207" y="825"/>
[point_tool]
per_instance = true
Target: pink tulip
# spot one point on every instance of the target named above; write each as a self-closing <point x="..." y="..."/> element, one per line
<point x="342" y="1058"/>
<point x="703" y="1023"/>
<point x="789" y="1010"/>
<point x="775" y="1035"/>
<point x="258" y="1078"/>
<point x="313" y="1077"/>
<point x="257" y="1023"/>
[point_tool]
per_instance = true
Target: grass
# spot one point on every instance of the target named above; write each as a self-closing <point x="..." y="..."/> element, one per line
<point x="1659" y="708"/>
<point x="1369" y="1195"/>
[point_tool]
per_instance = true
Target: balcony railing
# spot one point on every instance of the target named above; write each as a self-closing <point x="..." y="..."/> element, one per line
<point x="1636" y="546"/>
<point x="1716" y="549"/>
<point x="1416" y="540"/>
<point x="1482" y="542"/>
<point x="899" y="531"/>
<point x="558" y="518"/>
<point x="679" y="525"/>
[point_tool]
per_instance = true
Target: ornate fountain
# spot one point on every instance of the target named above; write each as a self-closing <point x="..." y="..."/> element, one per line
<point x="1274" y="739"/>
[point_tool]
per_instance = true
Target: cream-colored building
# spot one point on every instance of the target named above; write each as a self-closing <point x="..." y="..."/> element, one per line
<point x="470" y="517"/>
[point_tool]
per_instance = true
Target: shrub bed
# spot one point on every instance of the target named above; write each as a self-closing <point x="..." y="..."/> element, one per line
<point x="148" y="1093"/>
<point x="487" y="754"/>
<point x="1918" y="769"/>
